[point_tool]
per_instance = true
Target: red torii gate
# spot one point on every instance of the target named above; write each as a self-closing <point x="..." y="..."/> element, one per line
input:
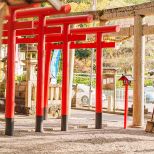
<point x="10" y="87"/>
<point x="41" y="39"/>
<point x="64" y="120"/>
<point x="53" y="38"/>
<point x="99" y="78"/>
<point x="65" y="75"/>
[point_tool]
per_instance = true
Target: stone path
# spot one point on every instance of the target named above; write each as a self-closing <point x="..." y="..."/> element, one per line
<point x="112" y="139"/>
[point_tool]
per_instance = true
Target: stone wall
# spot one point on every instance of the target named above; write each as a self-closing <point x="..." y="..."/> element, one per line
<point x="25" y="98"/>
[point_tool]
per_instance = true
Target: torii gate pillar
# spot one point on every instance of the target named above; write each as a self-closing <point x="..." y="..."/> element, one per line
<point x="139" y="61"/>
<point x="10" y="85"/>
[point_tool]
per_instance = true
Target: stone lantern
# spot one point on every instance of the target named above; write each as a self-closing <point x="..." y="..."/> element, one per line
<point x="31" y="76"/>
<point x="30" y="63"/>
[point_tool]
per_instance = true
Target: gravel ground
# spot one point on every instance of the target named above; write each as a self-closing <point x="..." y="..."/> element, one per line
<point x="112" y="139"/>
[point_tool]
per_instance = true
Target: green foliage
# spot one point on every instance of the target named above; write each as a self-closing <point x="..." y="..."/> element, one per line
<point x="148" y="82"/>
<point x="82" y="53"/>
<point x="20" y="78"/>
<point x="83" y="80"/>
<point x="119" y="84"/>
<point x="85" y="5"/>
<point x="59" y="78"/>
<point x="79" y="7"/>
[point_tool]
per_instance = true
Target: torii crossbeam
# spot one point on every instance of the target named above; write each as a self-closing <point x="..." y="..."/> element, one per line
<point x="10" y="87"/>
<point x="44" y="35"/>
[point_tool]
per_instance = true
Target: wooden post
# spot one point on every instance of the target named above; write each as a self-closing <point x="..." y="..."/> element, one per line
<point x="126" y="106"/>
<point x="46" y="82"/>
<point x="139" y="56"/>
<point x="10" y="83"/>
<point x="65" y="80"/>
<point x="99" y="79"/>
<point x="40" y="76"/>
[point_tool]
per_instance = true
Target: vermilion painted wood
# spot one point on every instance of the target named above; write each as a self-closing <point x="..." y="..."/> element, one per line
<point x="51" y="30"/>
<point x="10" y="84"/>
<point x="99" y="74"/>
<point x="41" y="40"/>
<point x="92" y="30"/>
<point x="41" y="67"/>
<point x="61" y="37"/>
<point x="83" y="45"/>
<point x="19" y="25"/>
<point x="47" y="75"/>
<point x="42" y="11"/>
<point x="60" y="46"/>
<point x="34" y="31"/>
<point x="27" y="40"/>
<point x="4" y="41"/>
<point x="126" y="106"/>
<point x="23" y="6"/>
<point x="64" y="20"/>
<point x="56" y="21"/>
<point x="30" y="31"/>
<point x="70" y="20"/>
<point x="22" y="40"/>
<point x="51" y="38"/>
<point x="65" y="71"/>
<point x="11" y="60"/>
<point x="92" y="45"/>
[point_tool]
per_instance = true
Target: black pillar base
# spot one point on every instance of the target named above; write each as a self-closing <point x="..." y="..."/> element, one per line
<point x="45" y="113"/>
<point x="39" y="124"/>
<point x="64" y="123"/>
<point x="9" y="127"/>
<point x="98" y="120"/>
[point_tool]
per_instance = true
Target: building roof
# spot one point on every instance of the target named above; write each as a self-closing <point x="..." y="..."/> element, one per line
<point x="126" y="77"/>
